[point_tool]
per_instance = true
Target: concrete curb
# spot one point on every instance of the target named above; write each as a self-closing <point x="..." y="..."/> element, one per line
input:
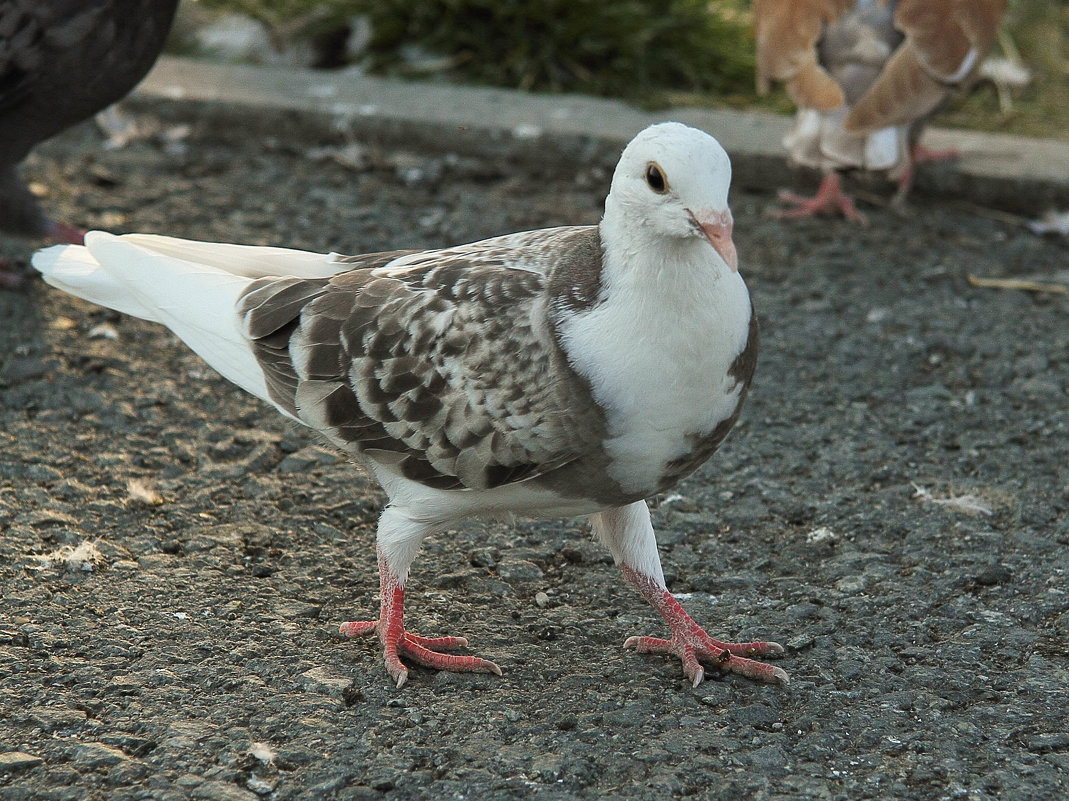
<point x="1008" y="172"/>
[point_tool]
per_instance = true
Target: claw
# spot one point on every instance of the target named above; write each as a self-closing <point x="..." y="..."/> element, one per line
<point x="692" y="645"/>
<point x="693" y="650"/>
<point x="419" y="650"/>
<point x="829" y="199"/>
<point x="398" y="642"/>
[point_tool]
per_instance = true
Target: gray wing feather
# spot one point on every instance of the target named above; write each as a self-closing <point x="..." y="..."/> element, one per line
<point x="443" y="367"/>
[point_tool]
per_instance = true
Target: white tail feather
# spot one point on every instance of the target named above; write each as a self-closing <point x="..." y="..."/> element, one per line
<point x="72" y="269"/>
<point x="251" y="261"/>
<point x="190" y="287"/>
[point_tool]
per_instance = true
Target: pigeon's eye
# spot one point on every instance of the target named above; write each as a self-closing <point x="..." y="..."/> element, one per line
<point x="655" y="178"/>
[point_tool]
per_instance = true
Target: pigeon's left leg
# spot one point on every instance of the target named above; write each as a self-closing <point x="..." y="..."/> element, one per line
<point x="398" y="541"/>
<point x="829" y="199"/>
<point x="628" y="533"/>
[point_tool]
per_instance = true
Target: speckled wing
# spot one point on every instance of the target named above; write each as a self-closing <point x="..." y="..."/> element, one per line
<point x="439" y="366"/>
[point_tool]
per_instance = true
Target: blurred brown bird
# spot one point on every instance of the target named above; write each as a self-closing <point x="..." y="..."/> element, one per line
<point x="61" y="61"/>
<point x="867" y="76"/>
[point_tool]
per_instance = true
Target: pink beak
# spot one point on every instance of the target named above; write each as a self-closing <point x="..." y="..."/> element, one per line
<point x="716" y="226"/>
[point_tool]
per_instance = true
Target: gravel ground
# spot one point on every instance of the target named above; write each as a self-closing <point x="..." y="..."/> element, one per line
<point x="893" y="507"/>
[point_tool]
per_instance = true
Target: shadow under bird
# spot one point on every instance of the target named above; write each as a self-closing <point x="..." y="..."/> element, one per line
<point x="62" y="61"/>
<point x="631" y="346"/>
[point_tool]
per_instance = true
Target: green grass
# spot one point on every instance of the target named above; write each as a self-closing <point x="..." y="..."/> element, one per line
<point x="1039" y="30"/>
<point x="634" y="49"/>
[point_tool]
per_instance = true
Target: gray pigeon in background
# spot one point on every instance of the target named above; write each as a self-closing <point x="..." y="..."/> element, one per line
<point x="61" y="61"/>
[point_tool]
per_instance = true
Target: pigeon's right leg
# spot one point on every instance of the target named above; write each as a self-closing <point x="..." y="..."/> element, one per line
<point x="398" y="541"/>
<point x="919" y="154"/>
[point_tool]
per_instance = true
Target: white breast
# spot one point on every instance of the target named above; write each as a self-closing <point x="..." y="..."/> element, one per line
<point x="657" y="357"/>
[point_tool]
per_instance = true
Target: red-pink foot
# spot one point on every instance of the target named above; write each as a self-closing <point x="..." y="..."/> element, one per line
<point x="693" y="646"/>
<point x="420" y="650"/>
<point x="919" y="154"/>
<point x="65" y="234"/>
<point x="830" y="199"/>
<point x="696" y="647"/>
<point x="397" y="642"/>
<point x="56" y="232"/>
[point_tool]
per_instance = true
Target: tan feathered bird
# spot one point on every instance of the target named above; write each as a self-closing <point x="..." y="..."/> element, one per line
<point x="867" y="75"/>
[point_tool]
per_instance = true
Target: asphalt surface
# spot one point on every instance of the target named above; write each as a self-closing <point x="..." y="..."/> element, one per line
<point x="893" y="507"/>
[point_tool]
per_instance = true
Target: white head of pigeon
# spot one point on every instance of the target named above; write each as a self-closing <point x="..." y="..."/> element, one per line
<point x="573" y="370"/>
<point x="670" y="188"/>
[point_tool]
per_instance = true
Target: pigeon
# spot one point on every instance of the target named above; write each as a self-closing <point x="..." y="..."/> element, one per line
<point x="866" y="77"/>
<point x="61" y="61"/>
<point x="566" y="371"/>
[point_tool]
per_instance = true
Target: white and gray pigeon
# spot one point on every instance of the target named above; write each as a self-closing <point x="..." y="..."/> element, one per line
<point x="565" y="371"/>
<point x="61" y="61"/>
<point x="867" y="76"/>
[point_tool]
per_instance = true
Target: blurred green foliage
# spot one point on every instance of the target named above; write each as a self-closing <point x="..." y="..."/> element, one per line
<point x="626" y="48"/>
<point x="1036" y="31"/>
<point x="291" y="19"/>
<point x="655" y="52"/>
<point x="622" y="48"/>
